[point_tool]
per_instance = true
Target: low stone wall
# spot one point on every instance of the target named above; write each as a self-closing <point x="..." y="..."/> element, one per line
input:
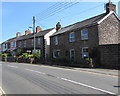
<point x="110" y="56"/>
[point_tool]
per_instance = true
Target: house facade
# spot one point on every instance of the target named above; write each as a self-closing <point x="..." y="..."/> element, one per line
<point x="96" y="38"/>
<point x="42" y="41"/>
<point x="9" y="46"/>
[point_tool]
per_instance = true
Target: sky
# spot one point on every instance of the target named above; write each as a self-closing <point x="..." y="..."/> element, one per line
<point x="17" y="16"/>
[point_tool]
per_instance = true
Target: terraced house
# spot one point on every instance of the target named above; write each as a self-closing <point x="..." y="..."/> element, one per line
<point x="9" y="46"/>
<point x="42" y="41"/>
<point x="26" y="42"/>
<point x="97" y="37"/>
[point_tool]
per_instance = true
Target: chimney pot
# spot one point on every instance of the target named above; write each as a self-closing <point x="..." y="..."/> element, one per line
<point x="58" y="26"/>
<point x="27" y="32"/>
<point x="18" y="34"/>
<point x="110" y="7"/>
<point x="38" y="29"/>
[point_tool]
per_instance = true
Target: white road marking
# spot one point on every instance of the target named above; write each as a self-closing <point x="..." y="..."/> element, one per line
<point x="87" y="86"/>
<point x="13" y="66"/>
<point x="35" y="71"/>
<point x="1" y="91"/>
<point x="75" y="82"/>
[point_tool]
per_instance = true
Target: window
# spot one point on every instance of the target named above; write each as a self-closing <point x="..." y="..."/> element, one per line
<point x="5" y="46"/>
<point x="56" y="40"/>
<point x="85" y="53"/>
<point x="38" y="41"/>
<point x="19" y="44"/>
<point x="72" y="37"/>
<point x="32" y="42"/>
<point x="72" y="54"/>
<point x="56" y="53"/>
<point x="11" y="44"/>
<point x="24" y="43"/>
<point x="84" y="34"/>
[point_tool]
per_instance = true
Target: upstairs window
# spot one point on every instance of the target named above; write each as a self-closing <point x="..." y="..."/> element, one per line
<point x="32" y="42"/>
<point x="56" y="40"/>
<point x="24" y="43"/>
<point x="72" y="37"/>
<point x="5" y="46"/>
<point x="38" y="41"/>
<point x="19" y="44"/>
<point x="84" y="34"/>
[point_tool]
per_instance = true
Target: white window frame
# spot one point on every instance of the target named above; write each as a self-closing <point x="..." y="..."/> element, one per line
<point x="71" y="39"/>
<point x="56" y="40"/>
<point x="71" y="53"/>
<point x="84" y="36"/>
<point x="54" y="52"/>
<point x="85" y="53"/>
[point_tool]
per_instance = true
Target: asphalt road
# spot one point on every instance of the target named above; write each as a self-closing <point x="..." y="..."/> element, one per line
<point x="20" y="78"/>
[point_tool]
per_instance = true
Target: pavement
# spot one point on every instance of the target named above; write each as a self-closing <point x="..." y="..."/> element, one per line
<point x="112" y="72"/>
<point x="21" y="78"/>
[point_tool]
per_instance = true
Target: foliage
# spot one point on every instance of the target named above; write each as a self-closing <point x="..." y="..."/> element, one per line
<point x="19" y="51"/>
<point x="31" y="56"/>
<point x="62" y="59"/>
<point x="25" y="55"/>
<point x="37" y="55"/>
<point x="4" y="54"/>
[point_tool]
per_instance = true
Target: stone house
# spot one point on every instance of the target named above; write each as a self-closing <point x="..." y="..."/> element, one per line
<point x="9" y="45"/>
<point x="42" y="41"/>
<point x="97" y="38"/>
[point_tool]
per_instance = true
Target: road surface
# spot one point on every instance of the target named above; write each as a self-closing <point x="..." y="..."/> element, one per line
<point x="18" y="78"/>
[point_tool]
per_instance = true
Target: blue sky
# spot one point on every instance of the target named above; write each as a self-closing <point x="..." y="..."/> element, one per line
<point x="17" y="16"/>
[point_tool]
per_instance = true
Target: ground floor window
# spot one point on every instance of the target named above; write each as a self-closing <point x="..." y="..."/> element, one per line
<point x="56" y="53"/>
<point x="85" y="52"/>
<point x="72" y="54"/>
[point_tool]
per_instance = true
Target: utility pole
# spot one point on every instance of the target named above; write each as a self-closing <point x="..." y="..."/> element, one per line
<point x="34" y="33"/>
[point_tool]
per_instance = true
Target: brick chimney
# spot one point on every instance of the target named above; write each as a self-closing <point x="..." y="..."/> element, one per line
<point x="58" y="26"/>
<point x="38" y="29"/>
<point x="27" y="32"/>
<point x="110" y="7"/>
<point x="18" y="34"/>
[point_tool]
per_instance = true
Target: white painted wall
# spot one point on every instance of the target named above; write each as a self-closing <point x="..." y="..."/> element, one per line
<point x="47" y="42"/>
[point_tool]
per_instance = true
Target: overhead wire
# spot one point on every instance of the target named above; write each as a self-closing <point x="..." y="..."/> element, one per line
<point x="59" y="10"/>
<point x="82" y="11"/>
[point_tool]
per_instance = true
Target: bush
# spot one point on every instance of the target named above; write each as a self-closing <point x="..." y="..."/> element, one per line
<point x="25" y="55"/>
<point x="63" y="59"/>
<point x="19" y="51"/>
<point x="37" y="55"/>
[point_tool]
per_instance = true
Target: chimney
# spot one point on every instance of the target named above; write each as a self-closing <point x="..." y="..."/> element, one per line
<point x="38" y="29"/>
<point x="110" y="7"/>
<point x="58" y="26"/>
<point x="18" y="34"/>
<point x="27" y="32"/>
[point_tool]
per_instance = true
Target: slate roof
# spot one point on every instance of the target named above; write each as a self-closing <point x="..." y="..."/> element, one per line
<point x="41" y="33"/>
<point x="81" y="24"/>
<point x="10" y="40"/>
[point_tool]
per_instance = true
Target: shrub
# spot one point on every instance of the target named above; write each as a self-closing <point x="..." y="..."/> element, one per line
<point x="62" y="59"/>
<point x="37" y="55"/>
<point x="5" y="55"/>
<point x="25" y="55"/>
<point x="19" y="51"/>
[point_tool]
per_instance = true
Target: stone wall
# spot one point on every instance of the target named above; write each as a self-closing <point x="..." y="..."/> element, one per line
<point x="110" y="56"/>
